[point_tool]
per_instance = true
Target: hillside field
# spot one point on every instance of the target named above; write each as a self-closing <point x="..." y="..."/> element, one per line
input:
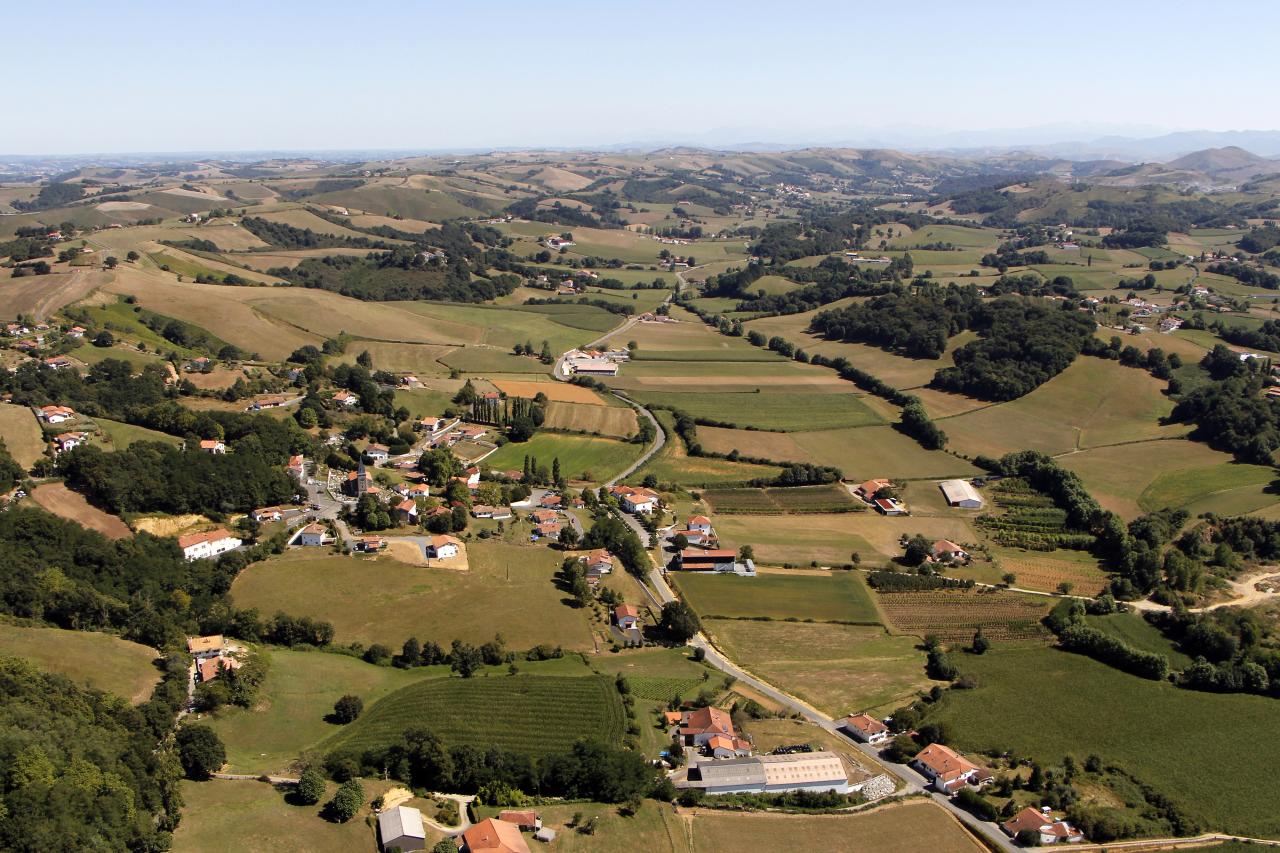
<point x="22" y="434"/>
<point x="527" y="714"/>
<point x="65" y="503"/>
<point x="821" y="596"/>
<point x="101" y="661"/>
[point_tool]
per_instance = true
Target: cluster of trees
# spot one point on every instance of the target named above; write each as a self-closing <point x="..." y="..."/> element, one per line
<point x="1033" y="285"/>
<point x="887" y="581"/>
<point x="1068" y="621"/>
<point x="612" y="533"/>
<point x="1260" y="240"/>
<point x="914" y="325"/>
<point x="1006" y="256"/>
<point x="1266" y="336"/>
<point x="589" y="771"/>
<point x="916" y="423"/>
<point x="1023" y="345"/>
<point x="26" y="248"/>
<point x="80" y="769"/>
<point x="401" y="273"/>
<point x="1248" y="274"/>
<point x="1232" y="415"/>
<point x="287" y="236"/>
<point x="158" y="477"/>
<point x="50" y="195"/>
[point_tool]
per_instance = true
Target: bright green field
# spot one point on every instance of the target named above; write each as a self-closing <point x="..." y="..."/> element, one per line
<point x="579" y="455"/>
<point x="562" y="326"/>
<point x="839" y="596"/>
<point x="122" y="435"/>
<point x="1141" y="634"/>
<point x="529" y="714"/>
<point x="1210" y="753"/>
<point x="673" y="465"/>
<point x="780" y="411"/>
<point x="1194" y="486"/>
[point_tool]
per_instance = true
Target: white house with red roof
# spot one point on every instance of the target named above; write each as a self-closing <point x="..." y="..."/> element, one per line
<point x="1050" y="830"/>
<point x="636" y="499"/>
<point x="946" y="769"/>
<point x="443" y="547"/>
<point x="56" y="414"/>
<point x="946" y="551"/>
<point x="346" y="398"/>
<point x="626" y="616"/>
<point x="69" y="440"/>
<point x="211" y="543"/>
<point x="212" y="445"/>
<point x="866" y="728"/>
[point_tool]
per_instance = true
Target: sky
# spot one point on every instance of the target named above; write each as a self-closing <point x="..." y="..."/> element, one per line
<point x="320" y="75"/>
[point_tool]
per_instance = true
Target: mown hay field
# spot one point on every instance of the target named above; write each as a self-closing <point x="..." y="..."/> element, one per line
<point x="64" y="503"/>
<point x="1152" y="729"/>
<point x="22" y="434"/>
<point x="797" y="594"/>
<point x="418" y="359"/>
<point x="833" y="497"/>
<point x="600" y="420"/>
<point x="560" y="392"/>
<point x="101" y="661"/>
<point x="526" y="714"/>
<point x="884" y="830"/>
<point x="673" y="464"/>
<point x="831" y="539"/>
<point x="1092" y="403"/>
<point x="778" y="410"/>
<point x="1044" y="571"/>
<point x="954" y="615"/>
<point x="385" y="601"/>
<point x="874" y="451"/>
<point x="835" y="668"/>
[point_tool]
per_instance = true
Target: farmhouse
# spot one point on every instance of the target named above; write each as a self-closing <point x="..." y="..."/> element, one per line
<point x="210" y="668"/>
<point x="212" y="445"/>
<point x="867" y="491"/>
<point x="494" y="836"/>
<point x="551" y="501"/>
<point x="626" y="616"/>
<point x="473" y="433"/>
<point x="723" y="746"/>
<point x="1051" y="831"/>
<point x="527" y="820"/>
<point x="430" y="425"/>
<point x="376" y="453"/>
<point x="698" y="726"/>
<point x="961" y="493"/>
<point x="636" y="499"/>
<point x="542" y="516"/>
<point x="593" y="367"/>
<point x="272" y="402"/>
<point x="58" y="362"/>
<point x="313" y="535"/>
<point x="56" y="414"/>
<point x="799" y="771"/>
<point x="443" y="547"/>
<point x="401" y="828"/>
<point x="200" y="546"/>
<point x="370" y="544"/>
<point x="866" y="728"/>
<point x="698" y="531"/>
<point x="946" y="551"/>
<point x="890" y="506"/>
<point x="947" y="770"/>
<point x="346" y="398"/>
<point x="68" y="440"/>
<point x="481" y="511"/>
<point x="268" y="513"/>
<point x="696" y="560"/>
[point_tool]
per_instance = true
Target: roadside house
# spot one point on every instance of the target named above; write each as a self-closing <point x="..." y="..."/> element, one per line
<point x="866" y="728"/>
<point x="443" y="547"/>
<point x="313" y="535"/>
<point x="946" y="551"/>
<point x="867" y="490"/>
<point x="494" y="836"/>
<point x="946" y="770"/>
<point x="1050" y="830"/>
<point x="627" y="616"/>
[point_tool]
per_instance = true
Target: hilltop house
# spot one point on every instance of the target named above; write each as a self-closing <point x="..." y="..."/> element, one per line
<point x="961" y="493"/>
<point x="865" y="728"/>
<point x="201" y="546"/>
<point x="56" y="414"/>
<point x="401" y="829"/>
<point x="1049" y="830"/>
<point x="946" y="769"/>
<point x="201" y="648"/>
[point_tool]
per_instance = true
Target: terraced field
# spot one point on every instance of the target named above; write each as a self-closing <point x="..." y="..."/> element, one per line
<point x="527" y="714"/>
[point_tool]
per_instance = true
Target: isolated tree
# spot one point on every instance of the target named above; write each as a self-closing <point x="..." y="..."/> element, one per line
<point x="103" y="339"/>
<point x="465" y="659"/>
<point x="348" y="708"/>
<point x="346" y="802"/>
<point x="200" y="751"/>
<point x="980" y="643"/>
<point x="545" y="355"/>
<point x="132" y="256"/>
<point x="679" y="621"/>
<point x="746" y="552"/>
<point x="569" y="537"/>
<point x="679" y="542"/>
<point x="310" y="786"/>
<point x="111" y="262"/>
<point x="1009" y="578"/>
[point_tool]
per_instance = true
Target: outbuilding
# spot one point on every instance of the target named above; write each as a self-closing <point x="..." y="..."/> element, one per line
<point x="401" y="828"/>
<point x="961" y="493"/>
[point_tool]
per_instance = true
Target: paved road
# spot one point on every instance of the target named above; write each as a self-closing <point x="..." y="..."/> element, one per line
<point x="659" y="438"/>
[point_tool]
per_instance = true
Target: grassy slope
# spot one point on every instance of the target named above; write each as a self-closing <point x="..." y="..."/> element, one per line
<point x="22" y="434"/>
<point x="1210" y="753"/>
<point x="782" y="410"/>
<point x="386" y="601"/>
<point x="578" y="454"/>
<point x="101" y="661"/>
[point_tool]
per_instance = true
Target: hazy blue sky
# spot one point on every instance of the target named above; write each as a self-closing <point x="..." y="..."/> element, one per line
<point x="229" y="75"/>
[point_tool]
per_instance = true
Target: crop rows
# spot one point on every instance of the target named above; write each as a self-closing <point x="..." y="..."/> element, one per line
<point x="955" y="614"/>
<point x="657" y="689"/>
<point x="781" y="501"/>
<point x="530" y="714"/>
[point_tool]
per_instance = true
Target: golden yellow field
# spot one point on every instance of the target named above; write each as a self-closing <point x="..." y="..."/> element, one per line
<point x="580" y="417"/>
<point x="561" y="392"/>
